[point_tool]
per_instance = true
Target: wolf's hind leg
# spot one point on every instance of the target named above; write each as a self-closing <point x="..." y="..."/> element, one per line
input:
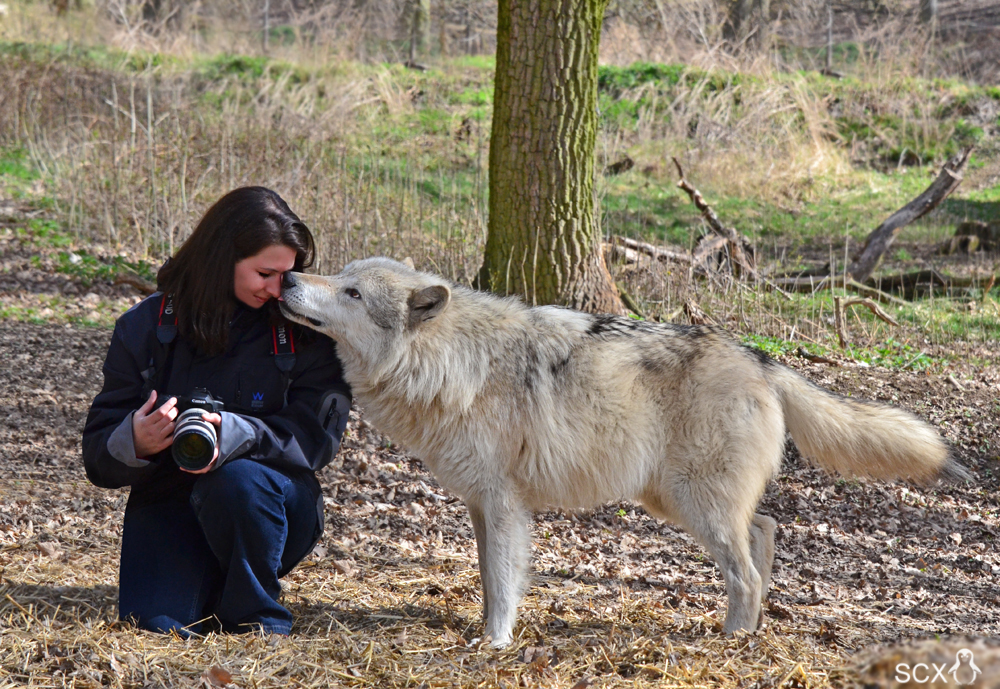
<point x="479" y="529"/>
<point x="762" y="549"/>
<point x="729" y="544"/>
<point x="502" y="541"/>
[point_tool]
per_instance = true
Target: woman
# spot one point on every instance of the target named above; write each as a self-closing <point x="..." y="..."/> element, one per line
<point x="210" y="541"/>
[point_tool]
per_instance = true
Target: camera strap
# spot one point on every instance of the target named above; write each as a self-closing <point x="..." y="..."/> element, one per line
<point x="166" y="328"/>
<point x="166" y="333"/>
<point x="284" y="353"/>
<point x="284" y="347"/>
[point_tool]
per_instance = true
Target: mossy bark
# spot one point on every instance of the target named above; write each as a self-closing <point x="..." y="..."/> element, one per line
<point x="544" y="240"/>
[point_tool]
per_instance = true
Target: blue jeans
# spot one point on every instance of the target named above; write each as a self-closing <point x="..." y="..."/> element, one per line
<point x="220" y="553"/>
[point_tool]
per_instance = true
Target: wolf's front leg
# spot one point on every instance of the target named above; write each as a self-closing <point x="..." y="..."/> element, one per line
<point x="501" y="525"/>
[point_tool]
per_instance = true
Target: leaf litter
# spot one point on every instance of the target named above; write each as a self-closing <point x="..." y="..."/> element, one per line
<point x="864" y="572"/>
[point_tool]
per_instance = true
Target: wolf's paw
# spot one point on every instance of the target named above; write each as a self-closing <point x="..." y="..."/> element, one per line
<point x="498" y="640"/>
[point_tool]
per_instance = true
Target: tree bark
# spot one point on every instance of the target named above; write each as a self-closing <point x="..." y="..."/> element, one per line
<point x="420" y="28"/>
<point x="544" y="241"/>
<point x="879" y="241"/>
<point x="928" y="11"/>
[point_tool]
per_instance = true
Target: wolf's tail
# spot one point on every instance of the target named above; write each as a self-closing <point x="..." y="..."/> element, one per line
<point x="855" y="438"/>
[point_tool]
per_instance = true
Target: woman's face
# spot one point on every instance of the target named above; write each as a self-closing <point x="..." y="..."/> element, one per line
<point x="258" y="277"/>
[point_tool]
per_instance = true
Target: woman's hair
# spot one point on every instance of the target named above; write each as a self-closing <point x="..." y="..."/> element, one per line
<point x="200" y="275"/>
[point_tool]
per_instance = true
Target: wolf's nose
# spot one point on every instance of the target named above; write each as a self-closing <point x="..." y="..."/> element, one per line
<point x="287" y="280"/>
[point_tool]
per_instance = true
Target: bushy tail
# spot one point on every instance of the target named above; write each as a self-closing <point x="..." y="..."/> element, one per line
<point x="855" y="438"/>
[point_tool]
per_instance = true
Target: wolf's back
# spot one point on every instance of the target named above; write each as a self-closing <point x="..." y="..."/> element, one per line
<point x="855" y="438"/>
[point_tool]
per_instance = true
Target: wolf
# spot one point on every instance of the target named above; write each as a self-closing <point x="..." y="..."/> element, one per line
<point x="517" y="408"/>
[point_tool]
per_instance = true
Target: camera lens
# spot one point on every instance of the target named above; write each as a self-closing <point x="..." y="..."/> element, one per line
<point x="194" y="440"/>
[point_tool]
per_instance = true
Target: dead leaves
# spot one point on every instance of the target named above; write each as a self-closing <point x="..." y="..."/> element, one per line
<point x="217" y="677"/>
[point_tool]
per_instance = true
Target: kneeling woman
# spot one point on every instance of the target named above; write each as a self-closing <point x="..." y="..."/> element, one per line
<point x="209" y="539"/>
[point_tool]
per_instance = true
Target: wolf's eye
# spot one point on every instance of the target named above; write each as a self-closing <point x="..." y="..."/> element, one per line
<point x="353" y="293"/>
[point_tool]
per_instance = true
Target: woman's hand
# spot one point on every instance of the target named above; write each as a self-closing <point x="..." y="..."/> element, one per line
<point x="153" y="430"/>
<point x="215" y="420"/>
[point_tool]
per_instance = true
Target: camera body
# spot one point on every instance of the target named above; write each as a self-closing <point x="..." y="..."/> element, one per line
<point x="194" y="438"/>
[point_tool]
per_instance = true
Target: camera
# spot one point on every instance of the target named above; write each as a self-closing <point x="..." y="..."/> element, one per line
<point x="194" y="438"/>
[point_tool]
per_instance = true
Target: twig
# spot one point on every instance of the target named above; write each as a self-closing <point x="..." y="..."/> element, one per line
<point x="815" y="358"/>
<point x="874" y="308"/>
<point x="989" y="286"/>
<point x="695" y="315"/>
<point x="736" y="243"/>
<point x="838" y="321"/>
<point x="840" y="307"/>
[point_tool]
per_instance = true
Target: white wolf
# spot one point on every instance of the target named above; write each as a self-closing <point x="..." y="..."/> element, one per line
<point x="516" y="408"/>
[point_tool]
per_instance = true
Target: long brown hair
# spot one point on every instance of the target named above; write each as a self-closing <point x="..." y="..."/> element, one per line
<point x="200" y="275"/>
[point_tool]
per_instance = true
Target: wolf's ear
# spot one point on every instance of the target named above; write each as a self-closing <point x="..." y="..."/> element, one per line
<point x="426" y="303"/>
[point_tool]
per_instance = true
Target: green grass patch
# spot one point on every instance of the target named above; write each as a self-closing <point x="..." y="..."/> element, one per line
<point x="15" y="166"/>
<point x="635" y="205"/>
<point x="90" y="269"/>
<point x="890" y="354"/>
<point x="43" y="234"/>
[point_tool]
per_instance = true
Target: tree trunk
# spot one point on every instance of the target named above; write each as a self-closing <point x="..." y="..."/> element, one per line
<point x="544" y="242"/>
<point x="420" y="28"/>
<point x="748" y="23"/>
<point x="928" y="11"/>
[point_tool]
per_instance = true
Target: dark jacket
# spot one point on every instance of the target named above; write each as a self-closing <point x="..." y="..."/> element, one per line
<point x="291" y="421"/>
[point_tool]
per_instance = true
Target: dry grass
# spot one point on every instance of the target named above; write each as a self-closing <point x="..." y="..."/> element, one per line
<point x="391" y="597"/>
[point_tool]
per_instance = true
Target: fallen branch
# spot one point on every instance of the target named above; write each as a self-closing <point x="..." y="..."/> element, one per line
<point x="144" y="286"/>
<point x="815" y="358"/>
<point x="740" y="250"/>
<point x="814" y="285"/>
<point x="660" y="254"/>
<point x="909" y="284"/>
<point x="874" y="308"/>
<point x="839" y="320"/>
<point x="879" y="241"/>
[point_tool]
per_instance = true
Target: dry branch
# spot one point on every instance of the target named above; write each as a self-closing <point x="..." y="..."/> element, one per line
<point x="656" y="252"/>
<point x="840" y="308"/>
<point x="838" y="322"/>
<point x="815" y="358"/>
<point x="740" y="249"/>
<point x="814" y="285"/>
<point x="879" y="241"/>
<point x="874" y="308"/>
<point x="144" y="286"/>
<point x="908" y="284"/>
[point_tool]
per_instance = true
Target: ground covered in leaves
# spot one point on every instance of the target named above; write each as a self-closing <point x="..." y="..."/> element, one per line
<point x="391" y="596"/>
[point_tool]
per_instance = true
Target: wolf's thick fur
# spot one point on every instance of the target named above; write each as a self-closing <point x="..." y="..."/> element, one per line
<point x="516" y="408"/>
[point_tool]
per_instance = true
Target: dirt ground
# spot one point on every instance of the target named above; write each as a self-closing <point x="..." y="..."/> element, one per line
<point x="391" y="596"/>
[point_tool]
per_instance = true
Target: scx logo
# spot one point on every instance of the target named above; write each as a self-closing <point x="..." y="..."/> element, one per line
<point x="963" y="671"/>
